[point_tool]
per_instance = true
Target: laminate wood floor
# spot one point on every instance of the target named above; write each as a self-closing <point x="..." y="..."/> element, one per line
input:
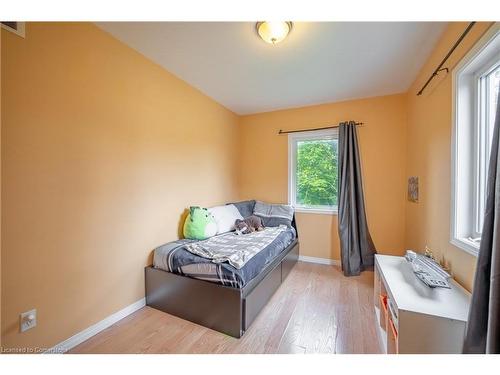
<point x="316" y="310"/>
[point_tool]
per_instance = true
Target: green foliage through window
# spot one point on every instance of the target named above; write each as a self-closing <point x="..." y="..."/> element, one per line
<point x="317" y="172"/>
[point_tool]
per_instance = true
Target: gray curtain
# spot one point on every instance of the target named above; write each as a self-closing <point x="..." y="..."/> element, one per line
<point x="356" y="245"/>
<point x="483" y="327"/>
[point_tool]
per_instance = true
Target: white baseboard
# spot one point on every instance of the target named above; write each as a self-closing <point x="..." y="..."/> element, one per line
<point x="93" y="330"/>
<point x="330" y="262"/>
<point x="87" y="333"/>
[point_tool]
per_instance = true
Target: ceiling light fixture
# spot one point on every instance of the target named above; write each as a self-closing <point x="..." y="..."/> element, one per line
<point x="273" y="32"/>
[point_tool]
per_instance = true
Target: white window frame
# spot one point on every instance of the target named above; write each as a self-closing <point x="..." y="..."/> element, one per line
<point x="293" y="138"/>
<point x="466" y="165"/>
<point x="481" y="95"/>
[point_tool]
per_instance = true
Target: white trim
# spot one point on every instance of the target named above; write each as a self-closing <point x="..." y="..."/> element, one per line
<point x="457" y="207"/>
<point x="483" y="134"/>
<point x="327" y="261"/>
<point x="87" y="333"/>
<point x="466" y="245"/>
<point x="303" y="210"/>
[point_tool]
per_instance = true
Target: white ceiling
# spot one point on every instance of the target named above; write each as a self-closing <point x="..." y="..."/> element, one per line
<point x="319" y="62"/>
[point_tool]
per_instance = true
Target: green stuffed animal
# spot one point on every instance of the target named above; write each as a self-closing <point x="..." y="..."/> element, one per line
<point x="199" y="224"/>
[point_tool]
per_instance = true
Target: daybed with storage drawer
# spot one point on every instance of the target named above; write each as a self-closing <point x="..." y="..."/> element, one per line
<point x="227" y="301"/>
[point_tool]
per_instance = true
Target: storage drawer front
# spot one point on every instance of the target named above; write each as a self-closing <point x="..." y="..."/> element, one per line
<point x="191" y="299"/>
<point x="258" y="298"/>
<point x="289" y="261"/>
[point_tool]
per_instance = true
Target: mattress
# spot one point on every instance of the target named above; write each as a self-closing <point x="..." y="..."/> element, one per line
<point x="173" y="257"/>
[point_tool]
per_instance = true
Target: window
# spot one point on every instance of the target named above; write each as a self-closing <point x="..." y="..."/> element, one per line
<point x="476" y="82"/>
<point x="487" y="85"/>
<point x="313" y="173"/>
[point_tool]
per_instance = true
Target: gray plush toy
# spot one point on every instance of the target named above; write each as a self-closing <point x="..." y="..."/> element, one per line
<point x="248" y="225"/>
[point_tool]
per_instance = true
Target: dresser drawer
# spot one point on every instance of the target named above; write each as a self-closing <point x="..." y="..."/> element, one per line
<point x="289" y="261"/>
<point x="258" y="298"/>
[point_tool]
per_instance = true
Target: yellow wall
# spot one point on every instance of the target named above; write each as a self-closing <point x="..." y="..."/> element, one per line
<point x="429" y="156"/>
<point x="101" y="152"/>
<point x="264" y="156"/>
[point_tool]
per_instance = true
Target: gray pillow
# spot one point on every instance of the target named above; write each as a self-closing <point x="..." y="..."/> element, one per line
<point x="245" y="207"/>
<point x="274" y="215"/>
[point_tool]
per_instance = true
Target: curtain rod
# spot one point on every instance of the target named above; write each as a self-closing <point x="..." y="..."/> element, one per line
<point x="311" y="130"/>
<point x="438" y="69"/>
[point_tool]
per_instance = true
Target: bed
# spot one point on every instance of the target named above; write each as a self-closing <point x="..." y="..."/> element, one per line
<point x="219" y="296"/>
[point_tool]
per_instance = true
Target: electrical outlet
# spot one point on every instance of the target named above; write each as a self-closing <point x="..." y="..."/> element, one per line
<point x="27" y="320"/>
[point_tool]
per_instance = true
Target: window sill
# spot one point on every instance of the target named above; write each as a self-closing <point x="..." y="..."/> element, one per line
<point x="302" y="210"/>
<point x="466" y="245"/>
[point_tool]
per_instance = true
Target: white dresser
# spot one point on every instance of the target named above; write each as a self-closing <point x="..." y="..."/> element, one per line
<point x="413" y="318"/>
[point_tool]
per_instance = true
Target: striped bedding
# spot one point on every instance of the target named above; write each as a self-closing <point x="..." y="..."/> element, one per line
<point x="174" y="257"/>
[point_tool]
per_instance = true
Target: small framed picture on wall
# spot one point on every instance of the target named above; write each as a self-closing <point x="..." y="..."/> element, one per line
<point x="413" y="189"/>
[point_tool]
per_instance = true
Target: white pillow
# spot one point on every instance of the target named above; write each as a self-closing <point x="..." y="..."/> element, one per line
<point x="225" y="216"/>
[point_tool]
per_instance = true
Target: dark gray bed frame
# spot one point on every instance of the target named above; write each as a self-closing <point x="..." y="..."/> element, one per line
<point x="224" y="309"/>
